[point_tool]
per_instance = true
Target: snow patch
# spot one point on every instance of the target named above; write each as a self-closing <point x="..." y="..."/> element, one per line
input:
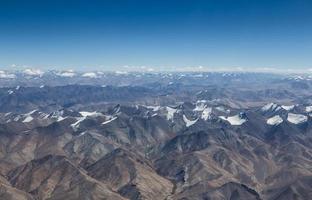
<point x="154" y="108"/>
<point x="77" y="123"/>
<point x="308" y="109"/>
<point x="276" y="120"/>
<point x="288" y="108"/>
<point x="170" y="113"/>
<point x="110" y="120"/>
<point x="17" y="118"/>
<point x="7" y="114"/>
<point x="31" y="112"/>
<point x="28" y="119"/>
<point x="271" y="107"/>
<point x="188" y="122"/>
<point x="60" y="118"/>
<point x="222" y="109"/>
<point x="296" y="118"/>
<point x="83" y="133"/>
<point x="235" y="120"/>
<point x="200" y="106"/>
<point x="206" y="114"/>
<point x="58" y="115"/>
<point x="90" y="114"/>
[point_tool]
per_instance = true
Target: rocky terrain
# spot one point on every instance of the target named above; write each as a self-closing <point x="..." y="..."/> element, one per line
<point x="70" y="135"/>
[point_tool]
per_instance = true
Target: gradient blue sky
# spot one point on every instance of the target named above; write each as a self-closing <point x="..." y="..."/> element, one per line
<point x="111" y="33"/>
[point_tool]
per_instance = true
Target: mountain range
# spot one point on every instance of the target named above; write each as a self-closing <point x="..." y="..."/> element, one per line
<point x="166" y="136"/>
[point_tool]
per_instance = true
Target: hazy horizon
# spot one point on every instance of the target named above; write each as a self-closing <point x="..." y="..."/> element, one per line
<point x="152" y="69"/>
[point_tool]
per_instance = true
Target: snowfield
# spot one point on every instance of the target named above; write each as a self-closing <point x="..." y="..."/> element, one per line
<point x="276" y="120"/>
<point x="188" y="122"/>
<point x="296" y="118"/>
<point x="235" y="120"/>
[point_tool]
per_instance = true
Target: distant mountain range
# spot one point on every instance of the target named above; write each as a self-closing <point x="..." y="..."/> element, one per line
<point x="37" y="77"/>
<point x="166" y="136"/>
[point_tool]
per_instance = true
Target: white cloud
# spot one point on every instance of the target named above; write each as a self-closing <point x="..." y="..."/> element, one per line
<point x="121" y="72"/>
<point x="6" y="75"/>
<point x="68" y="73"/>
<point x="90" y="75"/>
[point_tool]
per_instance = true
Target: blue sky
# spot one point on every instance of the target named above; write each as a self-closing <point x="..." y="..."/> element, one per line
<point x="109" y="34"/>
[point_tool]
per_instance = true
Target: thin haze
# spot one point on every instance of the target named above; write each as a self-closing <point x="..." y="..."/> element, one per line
<point x="166" y="33"/>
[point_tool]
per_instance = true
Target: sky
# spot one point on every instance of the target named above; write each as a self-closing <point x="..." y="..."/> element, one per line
<point x="156" y="34"/>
